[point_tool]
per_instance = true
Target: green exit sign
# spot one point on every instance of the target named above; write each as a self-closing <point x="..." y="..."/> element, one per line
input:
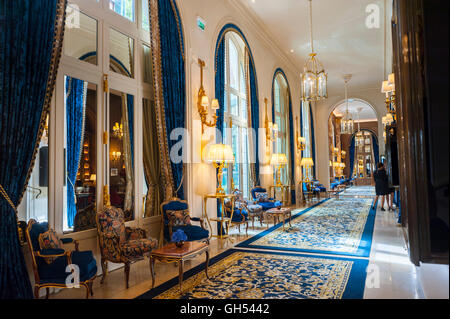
<point x="201" y="24"/>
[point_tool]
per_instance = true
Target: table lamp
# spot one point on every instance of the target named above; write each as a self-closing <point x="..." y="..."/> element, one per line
<point x="278" y="160"/>
<point x="307" y="162"/>
<point x="220" y="155"/>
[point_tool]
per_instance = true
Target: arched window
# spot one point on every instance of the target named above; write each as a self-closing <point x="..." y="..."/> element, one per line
<point x="306" y="129"/>
<point x="281" y="118"/>
<point x="236" y="121"/>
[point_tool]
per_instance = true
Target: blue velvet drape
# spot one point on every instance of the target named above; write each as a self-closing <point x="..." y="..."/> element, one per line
<point x="352" y="155"/>
<point x="26" y="42"/>
<point x="254" y="104"/>
<point x="376" y="152"/>
<point x="130" y="110"/>
<point x="173" y="78"/>
<point x="219" y="80"/>
<point x="75" y="111"/>
<point x="313" y="141"/>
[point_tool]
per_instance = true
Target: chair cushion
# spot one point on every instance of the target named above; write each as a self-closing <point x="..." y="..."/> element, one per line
<point x="173" y="205"/>
<point x="257" y="190"/>
<point x="254" y="209"/>
<point x="262" y="197"/>
<point x="56" y="271"/>
<point x="35" y="230"/>
<point x="49" y="240"/>
<point x="138" y="247"/>
<point x="269" y="205"/>
<point x="192" y="232"/>
<point x="239" y="215"/>
<point x="178" y="217"/>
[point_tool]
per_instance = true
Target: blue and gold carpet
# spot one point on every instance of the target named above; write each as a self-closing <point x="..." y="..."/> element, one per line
<point x="336" y="226"/>
<point x="359" y="191"/>
<point x="245" y="274"/>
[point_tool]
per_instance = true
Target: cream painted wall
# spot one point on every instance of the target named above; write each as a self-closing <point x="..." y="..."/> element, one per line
<point x="201" y="44"/>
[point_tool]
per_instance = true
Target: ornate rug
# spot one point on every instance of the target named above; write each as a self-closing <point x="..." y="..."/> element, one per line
<point x="244" y="274"/>
<point x="341" y="226"/>
<point x="365" y="191"/>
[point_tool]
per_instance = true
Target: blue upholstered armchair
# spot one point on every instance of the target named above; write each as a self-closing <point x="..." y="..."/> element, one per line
<point x="176" y="215"/>
<point x="240" y="212"/>
<point x="266" y="204"/>
<point x="49" y="264"/>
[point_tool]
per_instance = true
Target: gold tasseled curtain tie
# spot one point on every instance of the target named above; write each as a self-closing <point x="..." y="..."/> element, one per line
<point x="8" y="199"/>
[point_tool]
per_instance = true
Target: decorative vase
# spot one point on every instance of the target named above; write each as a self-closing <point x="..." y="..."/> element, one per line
<point x="179" y="244"/>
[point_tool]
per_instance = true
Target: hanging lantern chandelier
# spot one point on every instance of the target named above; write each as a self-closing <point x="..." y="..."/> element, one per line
<point x="313" y="79"/>
<point x="347" y="122"/>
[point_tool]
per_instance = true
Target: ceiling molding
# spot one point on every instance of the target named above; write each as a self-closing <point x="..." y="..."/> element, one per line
<point x="260" y="29"/>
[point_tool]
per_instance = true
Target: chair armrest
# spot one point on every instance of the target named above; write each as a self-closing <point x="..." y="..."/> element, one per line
<point x="199" y="219"/>
<point x="70" y="241"/>
<point x="55" y="253"/>
<point x="135" y="233"/>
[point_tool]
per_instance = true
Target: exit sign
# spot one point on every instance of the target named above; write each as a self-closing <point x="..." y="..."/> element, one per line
<point x="201" y="24"/>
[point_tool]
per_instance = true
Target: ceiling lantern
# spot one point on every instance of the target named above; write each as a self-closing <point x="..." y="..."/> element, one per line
<point x="347" y="122"/>
<point x="313" y="79"/>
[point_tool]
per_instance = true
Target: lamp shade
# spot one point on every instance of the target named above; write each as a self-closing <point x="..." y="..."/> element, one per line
<point x="331" y="164"/>
<point x="215" y="104"/>
<point x="278" y="159"/>
<point x="307" y="161"/>
<point x="391" y="80"/>
<point x="220" y="153"/>
<point x="342" y="165"/>
<point x="93" y="177"/>
<point x="336" y="164"/>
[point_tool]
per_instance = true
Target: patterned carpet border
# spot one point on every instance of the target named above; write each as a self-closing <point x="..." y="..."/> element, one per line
<point x="354" y="286"/>
<point x="362" y="251"/>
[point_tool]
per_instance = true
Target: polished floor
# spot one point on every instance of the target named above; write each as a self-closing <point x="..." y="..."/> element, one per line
<point x="390" y="274"/>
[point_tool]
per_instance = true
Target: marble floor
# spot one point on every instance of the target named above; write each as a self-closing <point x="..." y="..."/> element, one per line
<point x="390" y="274"/>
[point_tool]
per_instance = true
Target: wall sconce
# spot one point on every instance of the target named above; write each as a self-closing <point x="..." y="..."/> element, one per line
<point x="388" y="87"/>
<point x="118" y="130"/>
<point x="343" y="154"/>
<point x="301" y="141"/>
<point x="203" y="102"/>
<point x="270" y="127"/>
<point x="115" y="156"/>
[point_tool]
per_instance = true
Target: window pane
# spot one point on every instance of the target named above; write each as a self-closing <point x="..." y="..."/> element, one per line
<point x="242" y="80"/>
<point x="244" y="110"/>
<point x="80" y="36"/>
<point x="121" y="151"/>
<point x="234" y="66"/>
<point x="80" y="145"/>
<point x="123" y="7"/>
<point x="234" y="104"/>
<point x="236" y="150"/>
<point x="147" y="69"/>
<point x="35" y="201"/>
<point x="145" y="16"/>
<point x="121" y="53"/>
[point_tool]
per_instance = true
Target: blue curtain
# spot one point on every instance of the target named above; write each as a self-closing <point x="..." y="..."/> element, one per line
<point x="376" y="152"/>
<point x="173" y="78"/>
<point x="313" y="141"/>
<point x="352" y="155"/>
<point x="254" y="113"/>
<point x="27" y="75"/>
<point x="130" y="110"/>
<point x="75" y="111"/>
<point x="219" y="80"/>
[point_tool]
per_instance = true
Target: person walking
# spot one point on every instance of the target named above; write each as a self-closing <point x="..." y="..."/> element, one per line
<point x="381" y="186"/>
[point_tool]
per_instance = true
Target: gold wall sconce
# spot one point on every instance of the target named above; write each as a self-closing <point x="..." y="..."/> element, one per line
<point x="301" y="141"/>
<point x="343" y="154"/>
<point x="117" y="130"/>
<point x="203" y="102"/>
<point x="115" y="156"/>
<point x="271" y="128"/>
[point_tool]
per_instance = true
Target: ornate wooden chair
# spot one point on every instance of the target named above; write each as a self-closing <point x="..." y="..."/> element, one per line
<point x="261" y="197"/>
<point x="176" y="215"/>
<point x="120" y="244"/>
<point x="50" y="260"/>
<point x="240" y="212"/>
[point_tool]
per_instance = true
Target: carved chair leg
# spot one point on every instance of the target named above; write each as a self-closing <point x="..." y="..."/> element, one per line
<point x="36" y="292"/>
<point x="127" y="273"/>
<point x="104" y="269"/>
<point x="87" y="290"/>
<point x="91" y="283"/>
<point x="47" y="292"/>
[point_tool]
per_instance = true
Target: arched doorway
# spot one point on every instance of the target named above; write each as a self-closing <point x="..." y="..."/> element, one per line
<point x="353" y="157"/>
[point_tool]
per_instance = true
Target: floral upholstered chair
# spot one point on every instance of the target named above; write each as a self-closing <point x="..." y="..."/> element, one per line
<point x="261" y="197"/>
<point x="50" y="260"/>
<point x="243" y="210"/>
<point x="176" y="215"/>
<point x="120" y="244"/>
